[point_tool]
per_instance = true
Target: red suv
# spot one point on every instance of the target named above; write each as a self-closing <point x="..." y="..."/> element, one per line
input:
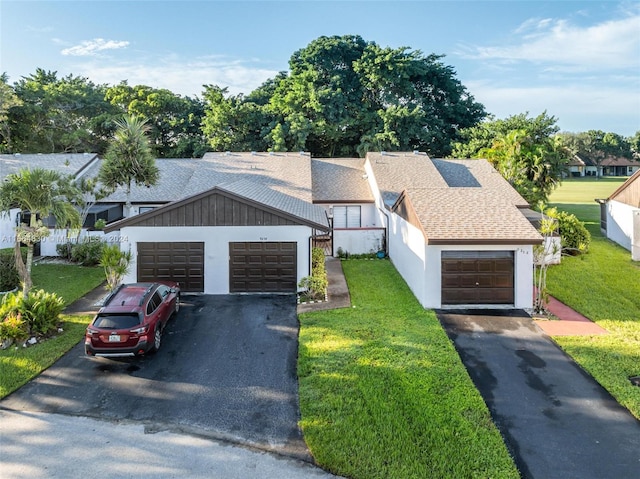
<point x="132" y="320"/>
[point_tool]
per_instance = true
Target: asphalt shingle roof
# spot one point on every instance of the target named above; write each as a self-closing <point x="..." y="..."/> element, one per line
<point x="454" y="200"/>
<point x="288" y="173"/>
<point x="65" y="163"/>
<point x="340" y="180"/>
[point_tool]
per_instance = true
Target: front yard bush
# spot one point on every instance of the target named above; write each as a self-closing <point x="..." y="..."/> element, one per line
<point x="575" y="236"/>
<point x="315" y="286"/>
<point x="87" y="252"/>
<point x="37" y="314"/>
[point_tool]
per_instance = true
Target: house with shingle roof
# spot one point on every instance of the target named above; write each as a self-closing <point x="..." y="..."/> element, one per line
<point x="620" y="216"/>
<point x="456" y="230"/>
<point x="77" y="165"/>
<point x="247" y="222"/>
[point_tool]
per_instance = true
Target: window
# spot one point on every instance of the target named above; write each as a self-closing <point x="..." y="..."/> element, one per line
<point x="144" y="209"/>
<point x="346" y="217"/>
<point x="154" y="302"/>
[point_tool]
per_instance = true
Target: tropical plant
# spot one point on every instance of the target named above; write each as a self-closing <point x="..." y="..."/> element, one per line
<point x="39" y="310"/>
<point x="315" y="286"/>
<point x="129" y="158"/>
<point x="575" y="235"/>
<point x="542" y="257"/>
<point x="41" y="193"/>
<point x="116" y="265"/>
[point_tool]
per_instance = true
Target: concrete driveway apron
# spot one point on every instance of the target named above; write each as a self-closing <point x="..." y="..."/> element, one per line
<point x="226" y="370"/>
<point x="557" y="421"/>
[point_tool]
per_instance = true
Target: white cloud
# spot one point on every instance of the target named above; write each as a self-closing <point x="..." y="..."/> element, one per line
<point x="613" y="44"/>
<point x="181" y="77"/>
<point x="92" y="47"/>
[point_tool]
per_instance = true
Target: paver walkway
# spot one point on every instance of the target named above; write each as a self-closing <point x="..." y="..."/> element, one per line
<point x="569" y="322"/>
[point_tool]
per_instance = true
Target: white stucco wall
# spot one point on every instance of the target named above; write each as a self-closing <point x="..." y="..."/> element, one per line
<point x="420" y="264"/>
<point x="8" y="228"/>
<point x="620" y="223"/>
<point x="216" y="247"/>
<point x="358" y="241"/>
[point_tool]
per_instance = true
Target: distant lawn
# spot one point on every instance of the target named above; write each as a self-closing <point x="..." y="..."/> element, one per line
<point x="586" y="189"/>
<point x="604" y="285"/>
<point x="19" y="365"/>
<point x="384" y="394"/>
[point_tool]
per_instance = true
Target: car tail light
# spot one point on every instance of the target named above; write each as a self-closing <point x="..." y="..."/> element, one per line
<point x="140" y="330"/>
<point x="92" y="331"/>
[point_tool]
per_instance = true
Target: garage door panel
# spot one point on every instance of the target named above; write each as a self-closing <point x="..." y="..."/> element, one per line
<point x="179" y="261"/>
<point x="256" y="267"/>
<point x="481" y="277"/>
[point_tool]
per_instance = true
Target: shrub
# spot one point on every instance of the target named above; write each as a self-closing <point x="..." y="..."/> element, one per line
<point x="100" y="224"/>
<point x="14" y="327"/>
<point x="115" y="263"/>
<point x="9" y="278"/>
<point x="574" y="234"/>
<point x="315" y="286"/>
<point x="64" y="250"/>
<point x="39" y="310"/>
<point x="88" y="251"/>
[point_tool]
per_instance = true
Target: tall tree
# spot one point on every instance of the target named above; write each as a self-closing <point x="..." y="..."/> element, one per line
<point x="59" y="115"/>
<point x="8" y="100"/>
<point x="534" y="167"/>
<point x="129" y="158"/>
<point x="483" y="135"/>
<point x="174" y="121"/>
<point x="41" y="193"/>
<point x="344" y="96"/>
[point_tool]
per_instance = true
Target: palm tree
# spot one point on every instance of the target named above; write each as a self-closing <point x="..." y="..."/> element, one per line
<point x="42" y="193"/>
<point x="129" y="157"/>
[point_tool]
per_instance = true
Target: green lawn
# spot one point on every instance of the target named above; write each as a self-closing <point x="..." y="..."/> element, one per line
<point x="19" y="365"/>
<point x="604" y="285"/>
<point x="586" y="189"/>
<point x="383" y="393"/>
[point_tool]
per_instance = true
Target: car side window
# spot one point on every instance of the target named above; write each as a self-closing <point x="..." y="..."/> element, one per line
<point x="163" y="291"/>
<point x="154" y="302"/>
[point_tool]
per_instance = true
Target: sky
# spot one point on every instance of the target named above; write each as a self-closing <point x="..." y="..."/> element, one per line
<point x="577" y="60"/>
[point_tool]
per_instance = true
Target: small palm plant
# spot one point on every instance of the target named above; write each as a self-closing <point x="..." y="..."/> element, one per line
<point x="116" y="265"/>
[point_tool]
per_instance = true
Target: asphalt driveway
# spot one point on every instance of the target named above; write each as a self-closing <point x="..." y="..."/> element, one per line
<point x="226" y="370"/>
<point x="557" y="421"/>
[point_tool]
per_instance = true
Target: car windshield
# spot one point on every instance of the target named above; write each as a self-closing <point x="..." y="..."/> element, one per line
<point x="116" y="321"/>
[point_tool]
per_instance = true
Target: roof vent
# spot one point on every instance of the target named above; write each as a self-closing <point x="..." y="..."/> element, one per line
<point x="416" y="152"/>
<point x="228" y="153"/>
<point x="16" y="154"/>
<point x="253" y="153"/>
<point x="302" y="152"/>
<point x="383" y="153"/>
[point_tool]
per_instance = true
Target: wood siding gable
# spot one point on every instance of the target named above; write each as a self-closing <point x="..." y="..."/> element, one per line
<point x="212" y="208"/>
<point x="629" y="192"/>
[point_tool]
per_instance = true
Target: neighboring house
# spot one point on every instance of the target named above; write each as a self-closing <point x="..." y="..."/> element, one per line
<point x="76" y="165"/>
<point x="456" y="232"/>
<point x="611" y="166"/>
<point x="620" y="216"/>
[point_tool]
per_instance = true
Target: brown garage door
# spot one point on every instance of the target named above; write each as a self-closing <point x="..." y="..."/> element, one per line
<point x="264" y="267"/>
<point x="182" y="262"/>
<point x="477" y="277"/>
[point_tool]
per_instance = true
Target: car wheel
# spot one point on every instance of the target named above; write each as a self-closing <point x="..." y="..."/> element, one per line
<point x="157" y="338"/>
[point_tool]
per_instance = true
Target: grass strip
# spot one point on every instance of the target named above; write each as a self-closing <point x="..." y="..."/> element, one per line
<point x="383" y="393"/>
<point x="18" y="365"/>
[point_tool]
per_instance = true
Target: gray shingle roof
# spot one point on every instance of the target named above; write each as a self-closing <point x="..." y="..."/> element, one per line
<point x="275" y="199"/>
<point x="65" y="163"/>
<point x="288" y="173"/>
<point x="340" y="180"/>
